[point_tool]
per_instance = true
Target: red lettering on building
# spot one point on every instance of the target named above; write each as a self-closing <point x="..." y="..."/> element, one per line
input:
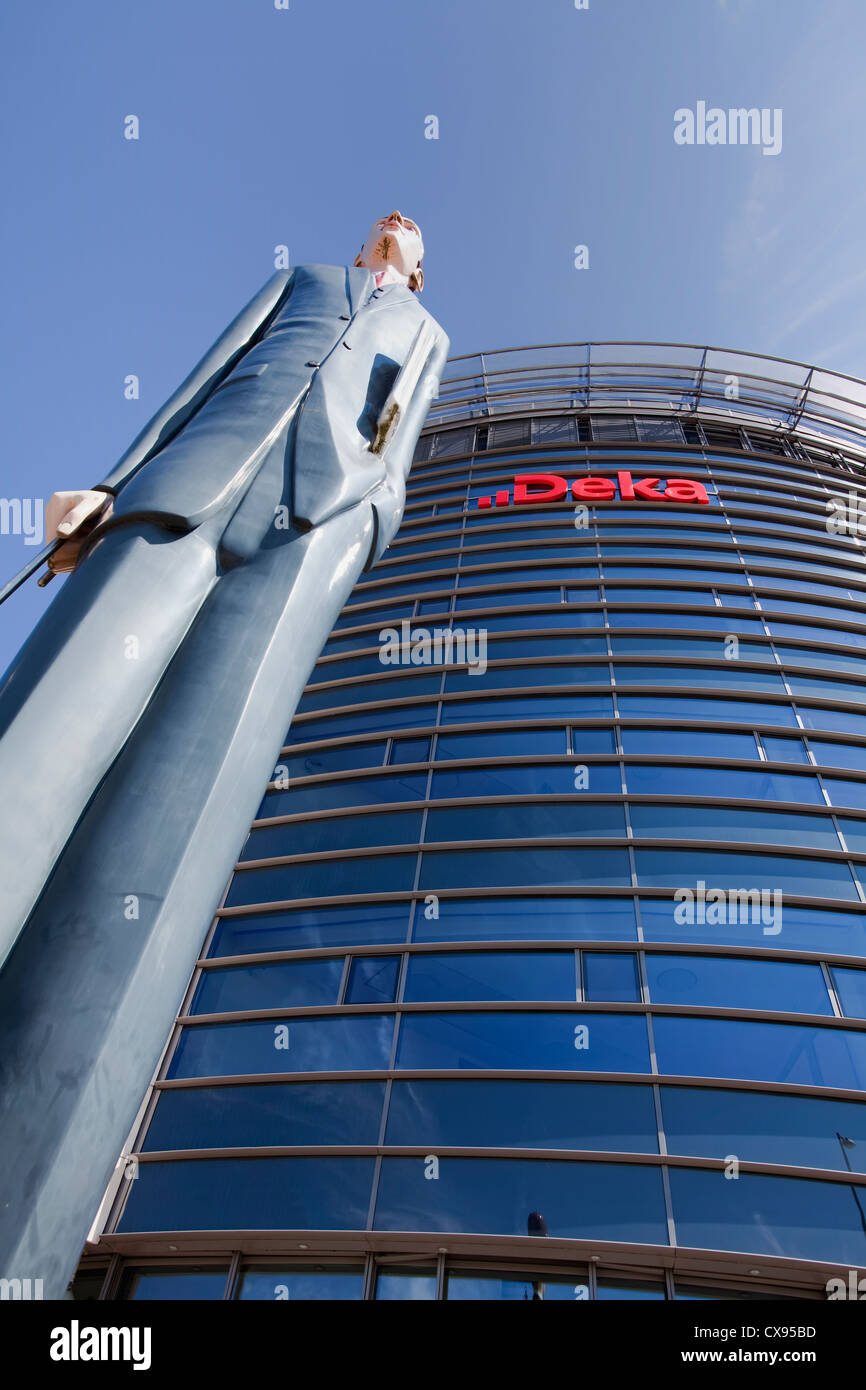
<point x="552" y="487"/>
<point x="594" y="489"/>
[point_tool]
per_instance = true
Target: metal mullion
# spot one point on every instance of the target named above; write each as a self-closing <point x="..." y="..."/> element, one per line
<point x="111" y="1282"/>
<point x="440" y="1276"/>
<point x="232" y="1275"/>
<point x="344" y="977"/>
<point x="669" y="1207"/>
<point x="830" y="984"/>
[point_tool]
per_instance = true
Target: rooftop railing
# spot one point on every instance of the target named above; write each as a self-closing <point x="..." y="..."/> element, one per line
<point x="650" y="377"/>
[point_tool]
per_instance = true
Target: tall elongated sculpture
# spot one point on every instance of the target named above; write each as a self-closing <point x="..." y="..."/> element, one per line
<point x="142" y="719"/>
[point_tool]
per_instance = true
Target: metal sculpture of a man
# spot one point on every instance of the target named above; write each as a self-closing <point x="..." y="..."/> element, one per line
<point x="141" y="720"/>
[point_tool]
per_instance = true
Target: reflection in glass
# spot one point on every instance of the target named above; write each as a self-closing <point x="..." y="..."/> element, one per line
<point x="528" y="919"/>
<point x="373" y="980"/>
<point x="361" y="924"/>
<point x="525" y="1041"/>
<point x="610" y="976"/>
<point x="792" y="1217"/>
<point x="743" y="1048"/>
<point x="215" y="1117"/>
<point x="524" y="1115"/>
<point x="300" y="1283"/>
<point x="190" y="1282"/>
<point x="277" y="985"/>
<point x="250" y="1194"/>
<point x="764" y="1128"/>
<point x="353" y="1043"/>
<point x="405" y="1285"/>
<point x="724" y="982"/>
<point x="467" y="975"/>
<point x="468" y="1286"/>
<point x="588" y="1201"/>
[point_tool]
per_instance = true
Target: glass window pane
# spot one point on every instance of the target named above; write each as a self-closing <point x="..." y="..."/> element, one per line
<point x="373" y="980"/>
<point x="173" y="1284"/>
<point x="682" y="707"/>
<point x="788" y="750"/>
<point x="301" y="1283"/>
<point x="514" y="677"/>
<point x="843" y="792"/>
<point x="365" y="924"/>
<point x="724" y="982"/>
<point x="508" y="743"/>
<point x="322" y="878"/>
<point x="790" y="1217"/>
<point x="765" y="924"/>
<point x="632" y="1289"/>
<point x="716" y="676"/>
<point x="530" y="867"/>
<point x="851" y="989"/>
<point x="345" y="792"/>
<point x="727" y="869"/>
<point x="567" y="706"/>
<point x="524" y="1042"/>
<point x="610" y="976"/>
<point x="405" y="1285"/>
<point x="764" y="1128"/>
<point x="410" y="750"/>
<point x="344" y="758"/>
<point x="854" y="832"/>
<point x="316" y="836"/>
<point x="370" y="693"/>
<point x="281" y="984"/>
<point x="488" y="1287"/>
<point x="250" y="1194"/>
<point x="756" y="784"/>
<point x="356" y="1043"/>
<point x="525" y="820"/>
<point x="815" y="1056"/>
<point x="688" y="743"/>
<point x="470" y="976"/>
<point x="589" y="1201"/>
<point x="407" y="717"/>
<point x="726" y="823"/>
<point x="653" y="430"/>
<point x="850" y="755"/>
<point x="526" y="779"/>
<point x="625" y="593"/>
<point x="523" y="1114"/>
<point x="215" y="1117"/>
<point x="527" y="919"/>
<point x="839" y="721"/>
<point x="555" y="429"/>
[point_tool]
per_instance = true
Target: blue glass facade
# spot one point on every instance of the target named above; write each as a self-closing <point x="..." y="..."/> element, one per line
<point x="547" y="946"/>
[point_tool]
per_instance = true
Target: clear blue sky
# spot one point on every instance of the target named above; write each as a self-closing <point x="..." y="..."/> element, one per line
<point x="260" y="127"/>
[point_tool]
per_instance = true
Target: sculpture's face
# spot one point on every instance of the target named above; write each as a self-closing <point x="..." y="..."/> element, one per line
<point x="394" y="242"/>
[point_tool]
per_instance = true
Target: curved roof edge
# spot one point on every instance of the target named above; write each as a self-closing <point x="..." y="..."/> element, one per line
<point x="652" y="378"/>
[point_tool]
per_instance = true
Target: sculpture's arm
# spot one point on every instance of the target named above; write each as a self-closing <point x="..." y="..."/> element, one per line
<point x="75" y="514"/>
<point x="194" y="391"/>
<point x="390" y="498"/>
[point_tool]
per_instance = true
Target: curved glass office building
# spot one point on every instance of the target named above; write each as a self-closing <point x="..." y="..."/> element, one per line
<point x="542" y="974"/>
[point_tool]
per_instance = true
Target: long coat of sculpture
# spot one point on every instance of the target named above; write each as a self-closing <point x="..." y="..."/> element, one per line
<point x="171" y="663"/>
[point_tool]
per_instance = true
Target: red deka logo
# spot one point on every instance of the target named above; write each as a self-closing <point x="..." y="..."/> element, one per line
<point x="552" y="487"/>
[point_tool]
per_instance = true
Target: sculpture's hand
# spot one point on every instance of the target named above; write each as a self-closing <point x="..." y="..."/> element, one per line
<point x="73" y="514"/>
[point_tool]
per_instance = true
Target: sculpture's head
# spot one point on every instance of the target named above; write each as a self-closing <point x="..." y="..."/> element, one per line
<point x="394" y="245"/>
